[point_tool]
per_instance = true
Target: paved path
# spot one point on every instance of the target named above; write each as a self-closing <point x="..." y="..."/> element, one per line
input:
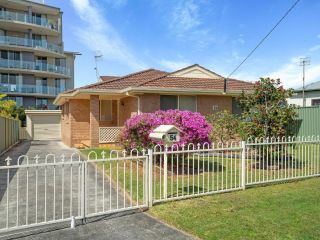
<point x="38" y="194"/>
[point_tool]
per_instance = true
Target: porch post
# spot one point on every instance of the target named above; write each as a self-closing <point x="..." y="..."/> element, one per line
<point x="94" y="121"/>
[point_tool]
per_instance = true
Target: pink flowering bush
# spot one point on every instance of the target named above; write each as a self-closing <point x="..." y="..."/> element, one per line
<point x="194" y="127"/>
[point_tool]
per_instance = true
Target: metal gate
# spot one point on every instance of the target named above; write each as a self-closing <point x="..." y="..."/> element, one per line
<point x="52" y="189"/>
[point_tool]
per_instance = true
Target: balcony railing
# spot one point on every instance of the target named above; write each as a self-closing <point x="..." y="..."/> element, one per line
<point x="35" y="66"/>
<point x="24" y="17"/>
<point x="33" y="89"/>
<point x="25" y="42"/>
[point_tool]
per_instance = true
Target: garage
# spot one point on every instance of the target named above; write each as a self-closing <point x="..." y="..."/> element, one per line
<point x="44" y="124"/>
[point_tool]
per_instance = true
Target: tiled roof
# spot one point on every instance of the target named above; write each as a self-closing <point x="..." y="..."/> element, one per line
<point x="160" y="79"/>
<point x="108" y="78"/>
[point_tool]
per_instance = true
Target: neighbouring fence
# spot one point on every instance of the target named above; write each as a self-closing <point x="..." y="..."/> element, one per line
<point x="307" y="122"/>
<point x="9" y="133"/>
<point x="49" y="189"/>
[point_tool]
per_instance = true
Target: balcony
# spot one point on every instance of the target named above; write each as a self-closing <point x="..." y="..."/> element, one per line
<point x="30" y="89"/>
<point x="30" y="43"/>
<point x="39" y="68"/>
<point x="24" y="18"/>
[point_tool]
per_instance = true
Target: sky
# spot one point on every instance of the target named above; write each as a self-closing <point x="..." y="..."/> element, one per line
<point x="134" y="35"/>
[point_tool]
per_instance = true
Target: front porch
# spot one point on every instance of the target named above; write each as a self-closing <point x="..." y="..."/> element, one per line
<point x="93" y="120"/>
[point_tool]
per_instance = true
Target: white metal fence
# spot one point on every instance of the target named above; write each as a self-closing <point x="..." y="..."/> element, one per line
<point x="50" y="189"/>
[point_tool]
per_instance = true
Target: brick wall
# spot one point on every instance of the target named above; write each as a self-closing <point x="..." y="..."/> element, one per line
<point x="128" y="107"/>
<point x="94" y="121"/>
<point x="205" y="104"/>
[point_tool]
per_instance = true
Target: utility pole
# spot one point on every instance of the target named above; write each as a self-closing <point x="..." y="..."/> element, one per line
<point x="304" y="62"/>
<point x="96" y="58"/>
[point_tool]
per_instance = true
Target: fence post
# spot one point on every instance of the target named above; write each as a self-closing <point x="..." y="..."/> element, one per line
<point x="165" y="173"/>
<point x="149" y="183"/>
<point x="83" y="190"/>
<point x="243" y="165"/>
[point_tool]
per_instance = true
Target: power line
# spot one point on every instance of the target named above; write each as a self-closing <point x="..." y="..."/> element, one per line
<point x="265" y="37"/>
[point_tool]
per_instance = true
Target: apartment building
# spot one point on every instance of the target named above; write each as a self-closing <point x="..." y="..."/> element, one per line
<point x="34" y="68"/>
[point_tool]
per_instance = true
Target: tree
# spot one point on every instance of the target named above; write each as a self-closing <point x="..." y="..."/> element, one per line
<point x="7" y="107"/>
<point x="225" y="126"/>
<point x="265" y="111"/>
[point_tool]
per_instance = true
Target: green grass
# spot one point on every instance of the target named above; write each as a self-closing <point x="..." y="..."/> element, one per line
<point x="285" y="211"/>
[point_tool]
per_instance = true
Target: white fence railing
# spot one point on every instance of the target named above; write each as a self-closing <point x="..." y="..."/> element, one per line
<point x="50" y="189"/>
<point x="109" y="134"/>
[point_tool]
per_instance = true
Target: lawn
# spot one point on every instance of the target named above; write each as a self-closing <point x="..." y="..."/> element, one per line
<point x="284" y="211"/>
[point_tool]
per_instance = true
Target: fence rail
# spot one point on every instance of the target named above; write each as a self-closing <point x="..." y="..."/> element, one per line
<point x="9" y="133"/>
<point x="50" y="189"/>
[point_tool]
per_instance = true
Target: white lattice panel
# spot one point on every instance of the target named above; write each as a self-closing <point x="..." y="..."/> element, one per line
<point x="109" y="134"/>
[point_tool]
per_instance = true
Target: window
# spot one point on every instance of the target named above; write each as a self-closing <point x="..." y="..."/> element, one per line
<point x="168" y="102"/>
<point x="106" y="110"/>
<point x="178" y="102"/>
<point x="61" y="62"/>
<point x="19" y="101"/>
<point x="42" y="103"/>
<point x="60" y="85"/>
<point x="315" y="102"/>
<point x="188" y="103"/>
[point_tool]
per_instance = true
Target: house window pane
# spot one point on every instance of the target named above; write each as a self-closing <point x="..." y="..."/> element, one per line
<point x="168" y="102"/>
<point x="315" y="102"/>
<point x="106" y="110"/>
<point x="188" y="103"/>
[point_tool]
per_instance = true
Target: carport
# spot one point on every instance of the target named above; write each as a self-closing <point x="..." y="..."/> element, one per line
<point x="44" y="124"/>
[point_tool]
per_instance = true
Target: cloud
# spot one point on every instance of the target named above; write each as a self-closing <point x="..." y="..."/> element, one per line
<point x="174" y="65"/>
<point x="99" y="35"/>
<point x="318" y="36"/>
<point x="291" y="73"/>
<point x="186" y="24"/>
<point x="185" y="16"/>
<point x="315" y="48"/>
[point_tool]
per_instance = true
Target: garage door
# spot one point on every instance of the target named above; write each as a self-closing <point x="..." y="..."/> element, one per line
<point x="46" y="127"/>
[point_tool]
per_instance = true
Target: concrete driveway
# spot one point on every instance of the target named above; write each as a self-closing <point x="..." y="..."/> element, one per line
<point x="48" y="193"/>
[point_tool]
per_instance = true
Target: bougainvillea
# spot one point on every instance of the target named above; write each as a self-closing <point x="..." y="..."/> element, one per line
<point x="194" y="127"/>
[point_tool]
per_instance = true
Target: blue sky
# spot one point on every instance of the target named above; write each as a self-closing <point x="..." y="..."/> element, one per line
<point x="134" y="35"/>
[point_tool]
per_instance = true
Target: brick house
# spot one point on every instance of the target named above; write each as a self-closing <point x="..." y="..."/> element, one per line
<point x="94" y="114"/>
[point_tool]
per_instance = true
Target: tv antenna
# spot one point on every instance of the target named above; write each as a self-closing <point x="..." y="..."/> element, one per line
<point x="98" y="56"/>
<point x="304" y="62"/>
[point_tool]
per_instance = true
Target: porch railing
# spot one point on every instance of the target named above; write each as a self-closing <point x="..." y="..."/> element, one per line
<point x="109" y="134"/>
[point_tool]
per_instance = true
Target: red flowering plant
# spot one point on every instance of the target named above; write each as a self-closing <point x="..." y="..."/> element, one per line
<point x="195" y="129"/>
<point x="265" y="111"/>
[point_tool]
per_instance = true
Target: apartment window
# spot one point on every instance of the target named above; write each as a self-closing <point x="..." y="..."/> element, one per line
<point x="42" y="103"/>
<point x="168" y="102"/>
<point x="106" y="110"/>
<point x="61" y="62"/>
<point x="315" y="102"/>
<point x="60" y="85"/>
<point x="178" y="102"/>
<point x="10" y="55"/>
<point x="19" y="101"/>
<point x="42" y="85"/>
<point x="188" y="103"/>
